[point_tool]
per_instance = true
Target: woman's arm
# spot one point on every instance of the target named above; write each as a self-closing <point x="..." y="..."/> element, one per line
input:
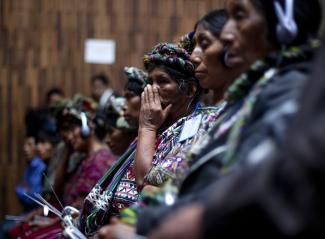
<point x="152" y="116"/>
<point x="60" y="171"/>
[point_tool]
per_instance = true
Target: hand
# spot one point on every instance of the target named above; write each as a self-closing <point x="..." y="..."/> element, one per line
<point x="152" y="115"/>
<point x="150" y="188"/>
<point x="36" y="212"/>
<point x="116" y="230"/>
<point x="42" y="222"/>
<point x="185" y="223"/>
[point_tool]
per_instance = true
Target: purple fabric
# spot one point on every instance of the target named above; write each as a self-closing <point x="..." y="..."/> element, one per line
<point x="88" y="173"/>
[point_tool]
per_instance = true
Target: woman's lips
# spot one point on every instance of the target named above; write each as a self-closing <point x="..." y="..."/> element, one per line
<point x="200" y="74"/>
<point x="233" y="59"/>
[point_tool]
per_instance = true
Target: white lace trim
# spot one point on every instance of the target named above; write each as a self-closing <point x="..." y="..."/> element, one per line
<point x="104" y="201"/>
<point x="94" y="195"/>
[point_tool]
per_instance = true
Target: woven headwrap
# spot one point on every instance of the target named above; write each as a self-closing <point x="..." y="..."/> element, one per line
<point x="172" y="56"/>
<point x="187" y="42"/>
<point x="71" y="110"/>
<point x="114" y="113"/>
<point x="137" y="79"/>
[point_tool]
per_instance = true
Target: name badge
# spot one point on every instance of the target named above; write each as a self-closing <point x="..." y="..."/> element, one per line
<point x="190" y="127"/>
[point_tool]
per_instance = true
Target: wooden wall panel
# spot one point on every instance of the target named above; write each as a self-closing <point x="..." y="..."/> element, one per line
<point x="42" y="44"/>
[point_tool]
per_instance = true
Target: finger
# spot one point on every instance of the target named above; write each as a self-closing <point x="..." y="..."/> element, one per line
<point x="104" y="232"/>
<point x="150" y="95"/>
<point x="156" y="95"/>
<point x="146" y="95"/>
<point x="31" y="224"/>
<point x="167" y="110"/>
<point x="148" y="102"/>
<point x="114" y="220"/>
<point x="143" y="100"/>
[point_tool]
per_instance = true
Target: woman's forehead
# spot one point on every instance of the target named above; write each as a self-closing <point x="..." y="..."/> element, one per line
<point x="240" y="3"/>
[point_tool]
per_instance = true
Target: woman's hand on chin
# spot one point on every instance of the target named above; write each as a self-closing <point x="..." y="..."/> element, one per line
<point x="152" y="115"/>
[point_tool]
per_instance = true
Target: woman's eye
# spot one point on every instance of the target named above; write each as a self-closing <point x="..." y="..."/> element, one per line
<point x="239" y="14"/>
<point x="162" y="81"/>
<point x="205" y="45"/>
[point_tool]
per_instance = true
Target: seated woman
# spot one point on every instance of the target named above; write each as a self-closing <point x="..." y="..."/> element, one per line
<point x="81" y="135"/>
<point x="119" y="133"/>
<point x="120" y="175"/>
<point x="212" y="74"/>
<point x="267" y="93"/>
<point x="167" y="107"/>
<point x="33" y="176"/>
<point x="259" y="106"/>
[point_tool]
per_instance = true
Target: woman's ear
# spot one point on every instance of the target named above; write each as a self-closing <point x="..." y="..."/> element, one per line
<point x="192" y="88"/>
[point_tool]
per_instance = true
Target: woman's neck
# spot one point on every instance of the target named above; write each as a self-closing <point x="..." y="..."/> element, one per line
<point x="96" y="145"/>
<point x="230" y="78"/>
<point x="218" y="94"/>
<point x="178" y="114"/>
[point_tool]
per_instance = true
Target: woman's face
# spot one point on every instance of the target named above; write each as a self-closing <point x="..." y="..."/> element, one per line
<point x="131" y="109"/>
<point x="245" y="33"/>
<point x="206" y="56"/>
<point x="118" y="140"/>
<point x="44" y="149"/>
<point x="29" y="148"/>
<point x="168" y="89"/>
<point x="210" y="70"/>
<point x="73" y="137"/>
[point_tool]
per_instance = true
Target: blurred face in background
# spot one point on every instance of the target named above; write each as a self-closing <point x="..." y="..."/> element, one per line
<point x="246" y="33"/>
<point x="118" y="140"/>
<point x="64" y="132"/>
<point x="29" y="148"/>
<point x="131" y="109"/>
<point x="98" y="88"/>
<point x="71" y="135"/>
<point x="54" y="99"/>
<point x="45" y="149"/>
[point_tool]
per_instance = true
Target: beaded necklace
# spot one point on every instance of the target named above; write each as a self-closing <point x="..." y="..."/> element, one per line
<point x="260" y="73"/>
<point x="267" y="69"/>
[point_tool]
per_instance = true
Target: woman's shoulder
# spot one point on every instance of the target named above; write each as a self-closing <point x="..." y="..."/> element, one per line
<point x="208" y="109"/>
<point x="103" y="153"/>
<point x="287" y="84"/>
<point x="209" y="112"/>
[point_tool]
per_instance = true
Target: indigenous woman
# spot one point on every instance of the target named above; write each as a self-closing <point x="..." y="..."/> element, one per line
<point x="168" y="102"/>
<point x="80" y="134"/>
<point x="119" y="181"/>
<point x="260" y="103"/>
<point x="212" y="74"/>
<point x="119" y="133"/>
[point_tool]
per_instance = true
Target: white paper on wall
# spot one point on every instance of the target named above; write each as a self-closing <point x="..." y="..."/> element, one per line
<point x="100" y="51"/>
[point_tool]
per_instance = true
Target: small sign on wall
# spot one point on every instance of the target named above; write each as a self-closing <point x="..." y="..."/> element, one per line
<point x="100" y="51"/>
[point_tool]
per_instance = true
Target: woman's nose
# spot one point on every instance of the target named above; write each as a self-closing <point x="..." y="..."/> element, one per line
<point x="70" y="136"/>
<point x="124" y="109"/>
<point x="227" y="35"/>
<point x="196" y="56"/>
<point x="155" y="85"/>
<point x="108" y="140"/>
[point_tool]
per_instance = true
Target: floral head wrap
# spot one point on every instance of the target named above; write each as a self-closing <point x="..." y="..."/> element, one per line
<point x="137" y="79"/>
<point x="172" y="56"/>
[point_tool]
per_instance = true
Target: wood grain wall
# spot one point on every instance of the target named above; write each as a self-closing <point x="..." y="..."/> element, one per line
<point x="42" y="45"/>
